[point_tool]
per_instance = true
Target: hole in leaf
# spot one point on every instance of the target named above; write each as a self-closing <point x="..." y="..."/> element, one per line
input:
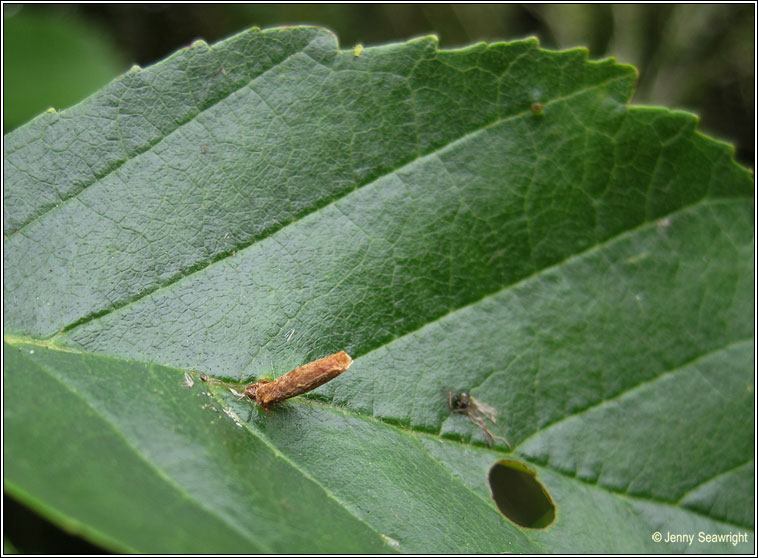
<point x="520" y="496"/>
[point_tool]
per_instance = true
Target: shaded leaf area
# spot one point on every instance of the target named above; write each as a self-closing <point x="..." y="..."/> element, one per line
<point x="587" y="271"/>
<point x="195" y="455"/>
<point x="138" y="461"/>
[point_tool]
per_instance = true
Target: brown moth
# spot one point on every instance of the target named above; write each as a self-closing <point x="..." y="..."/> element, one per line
<point x="300" y="380"/>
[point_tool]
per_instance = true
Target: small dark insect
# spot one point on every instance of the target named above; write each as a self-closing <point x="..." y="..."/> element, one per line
<point x="475" y="410"/>
<point x="203" y="377"/>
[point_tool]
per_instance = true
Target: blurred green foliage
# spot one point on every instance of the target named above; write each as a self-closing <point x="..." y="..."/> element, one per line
<point x="699" y="57"/>
<point x="52" y="60"/>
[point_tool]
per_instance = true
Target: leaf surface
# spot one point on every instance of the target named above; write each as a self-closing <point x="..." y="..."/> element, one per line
<point x="584" y="267"/>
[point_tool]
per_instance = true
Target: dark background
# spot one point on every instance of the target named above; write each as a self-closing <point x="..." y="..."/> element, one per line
<point x="695" y="57"/>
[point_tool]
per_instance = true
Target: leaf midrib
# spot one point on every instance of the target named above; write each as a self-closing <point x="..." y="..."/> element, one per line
<point x="178" y="488"/>
<point x="585" y="253"/>
<point x="414" y="433"/>
<point x="296" y="466"/>
<point x="51" y="343"/>
<point x="158" y="471"/>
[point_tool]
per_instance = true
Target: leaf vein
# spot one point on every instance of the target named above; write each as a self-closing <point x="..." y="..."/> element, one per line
<point x="202" y="265"/>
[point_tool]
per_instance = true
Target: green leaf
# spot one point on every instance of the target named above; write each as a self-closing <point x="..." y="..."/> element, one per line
<point x="585" y="269"/>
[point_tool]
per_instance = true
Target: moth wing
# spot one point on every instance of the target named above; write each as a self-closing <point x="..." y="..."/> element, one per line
<point x="485" y="409"/>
